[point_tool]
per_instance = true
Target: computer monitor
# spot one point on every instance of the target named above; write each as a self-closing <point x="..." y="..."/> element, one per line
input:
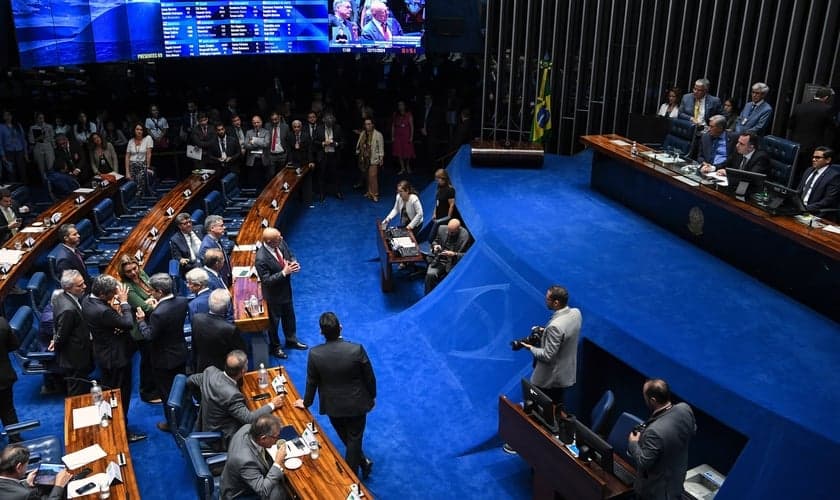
<point x="539" y="406"/>
<point x="743" y="181"/>
<point x="593" y="447"/>
<point x="783" y="200"/>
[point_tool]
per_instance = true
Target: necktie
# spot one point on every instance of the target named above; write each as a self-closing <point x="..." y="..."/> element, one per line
<point x="80" y="256"/>
<point x="273" y="138"/>
<point x="204" y="132"/>
<point x="279" y="257"/>
<point x="806" y="191"/>
<point x="222" y="146"/>
<point x="194" y="244"/>
<point x="267" y="460"/>
<point x="743" y="162"/>
<point x="386" y="33"/>
<point x="697" y="109"/>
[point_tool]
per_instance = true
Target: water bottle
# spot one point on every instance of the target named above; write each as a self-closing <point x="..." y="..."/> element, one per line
<point x="253" y="304"/>
<point x="262" y="378"/>
<point x="95" y="392"/>
<point x="634" y="150"/>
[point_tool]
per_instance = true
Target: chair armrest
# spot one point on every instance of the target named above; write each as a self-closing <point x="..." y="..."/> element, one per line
<point x="218" y="459"/>
<point x="206" y="436"/>
<point x="41" y="355"/>
<point x="22" y="426"/>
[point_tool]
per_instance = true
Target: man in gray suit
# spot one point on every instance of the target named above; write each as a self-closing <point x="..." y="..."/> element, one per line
<point x="250" y="470"/>
<point x="256" y="152"/>
<point x="555" y="359"/>
<point x="13" y="462"/>
<point x="661" y="449"/>
<point x="448" y="247"/>
<point x="223" y="406"/>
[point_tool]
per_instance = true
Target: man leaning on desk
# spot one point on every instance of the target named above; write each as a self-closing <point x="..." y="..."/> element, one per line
<point x="747" y="157"/>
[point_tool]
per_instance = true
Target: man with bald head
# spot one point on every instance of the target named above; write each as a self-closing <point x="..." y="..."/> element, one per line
<point x="448" y="247"/>
<point x="381" y="26"/>
<point x="275" y="264"/>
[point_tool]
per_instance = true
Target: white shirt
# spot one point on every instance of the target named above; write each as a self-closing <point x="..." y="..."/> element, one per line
<point x="813" y="178"/>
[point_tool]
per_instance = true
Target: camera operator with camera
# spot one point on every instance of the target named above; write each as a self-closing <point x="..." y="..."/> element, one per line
<point x="555" y="346"/>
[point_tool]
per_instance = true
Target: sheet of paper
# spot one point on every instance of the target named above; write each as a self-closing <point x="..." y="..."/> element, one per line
<point x="619" y="142"/>
<point x="403" y="241"/>
<point x="10" y="256"/>
<point x="686" y="180"/>
<point x="85" y="417"/>
<point x="84" y="190"/>
<point x="832" y="229"/>
<point x="30" y="229"/>
<point x="84" y="456"/>
<point x="243" y="271"/>
<point x="72" y="486"/>
<point x="244" y="248"/>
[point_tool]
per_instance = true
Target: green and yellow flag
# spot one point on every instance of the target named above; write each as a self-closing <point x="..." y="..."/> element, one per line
<point x="542" y="107"/>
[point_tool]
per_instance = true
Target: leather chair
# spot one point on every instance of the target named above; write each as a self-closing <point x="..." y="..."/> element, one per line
<point x="46" y="449"/>
<point x="108" y="225"/>
<point x="32" y="356"/>
<point x="237" y="198"/>
<point x="131" y="206"/>
<point x="206" y="483"/>
<point x="182" y="415"/>
<point x="681" y="136"/>
<point x="620" y="431"/>
<point x="40" y="291"/>
<point x="783" y="154"/>
<point x="601" y="412"/>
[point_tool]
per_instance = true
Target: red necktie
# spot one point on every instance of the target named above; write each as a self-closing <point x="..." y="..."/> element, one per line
<point x="386" y="33"/>
<point x="279" y="257"/>
<point x="273" y="139"/>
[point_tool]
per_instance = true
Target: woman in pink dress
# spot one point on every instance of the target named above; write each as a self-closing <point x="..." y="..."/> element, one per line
<point x="402" y="132"/>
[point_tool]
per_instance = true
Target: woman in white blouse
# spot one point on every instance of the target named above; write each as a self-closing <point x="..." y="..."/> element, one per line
<point x="407" y="207"/>
<point x="138" y="158"/>
<point x="671" y="108"/>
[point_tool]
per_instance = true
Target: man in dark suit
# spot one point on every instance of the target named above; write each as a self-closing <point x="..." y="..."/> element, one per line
<point x="341" y="373"/>
<point x="68" y="155"/>
<point x="812" y="124"/>
<point x="432" y="129"/>
<point x="11" y="215"/>
<point x="167" y="346"/>
<point x="214" y="231"/>
<point x="748" y="157"/>
<point x="820" y="185"/>
<point x="332" y="147"/>
<point x="698" y="106"/>
<point x="113" y="346"/>
<point x="314" y="133"/>
<point x="14" y="483"/>
<point x="185" y="244"/>
<point x="249" y="470"/>
<point x="213" y="334"/>
<point x="342" y="28"/>
<point x="661" y="449"/>
<point x="201" y="136"/>
<point x="8" y="343"/>
<point x="68" y="255"/>
<point x="214" y="264"/>
<point x="381" y="27"/>
<point x="71" y="336"/>
<point x="714" y="145"/>
<point x="275" y="264"/>
<point x="448" y="247"/>
<point x="224" y="149"/>
<point x="223" y="406"/>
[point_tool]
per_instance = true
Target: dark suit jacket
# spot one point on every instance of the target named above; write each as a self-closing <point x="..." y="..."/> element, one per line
<point x="759" y="162"/>
<point x="371" y="31"/>
<point x="247" y="472"/>
<point x="337" y="25"/>
<point x="215" y="281"/>
<point x="459" y="246"/>
<point x="5" y="232"/>
<point x="811" y="124"/>
<point x="223" y="406"/>
<point x="316" y="141"/>
<point x="19" y="490"/>
<point x="181" y="250"/>
<point x="713" y="107"/>
<point x="62" y="184"/>
<point x="213" y="337"/>
<point x="207" y="243"/>
<point x="825" y="193"/>
<point x="301" y="155"/>
<point x="113" y="346"/>
<point x="276" y="288"/>
<point x="342" y="374"/>
<point x="661" y="455"/>
<point x="232" y="150"/>
<point x="66" y="259"/>
<point x="166" y="325"/>
<point x="8" y="343"/>
<point x="73" y="346"/>
<point x="338" y="139"/>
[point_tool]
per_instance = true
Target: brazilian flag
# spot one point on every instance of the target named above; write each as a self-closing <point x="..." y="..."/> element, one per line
<point x="542" y="108"/>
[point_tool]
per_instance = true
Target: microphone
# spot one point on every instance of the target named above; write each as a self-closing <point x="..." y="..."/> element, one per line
<point x="90" y="382"/>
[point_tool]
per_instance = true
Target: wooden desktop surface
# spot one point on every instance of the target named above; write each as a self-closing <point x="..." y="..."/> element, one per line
<point x="141" y="239"/>
<point x="251" y="233"/>
<point x="816" y="239"/>
<point x="47" y="239"/>
<point x="112" y="439"/>
<point x="555" y="468"/>
<point x="329" y="476"/>
<point x="387" y="257"/>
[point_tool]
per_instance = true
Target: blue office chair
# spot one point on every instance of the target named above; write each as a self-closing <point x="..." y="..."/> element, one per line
<point x="40" y="291"/>
<point x="108" y="225"/>
<point x="620" y="431"/>
<point x="31" y="354"/>
<point x="206" y="483"/>
<point x="681" y="136"/>
<point x="601" y="412"/>
<point x="237" y="198"/>
<point x="45" y="449"/>
<point x="182" y="416"/>
<point x="783" y="154"/>
<point x="131" y="206"/>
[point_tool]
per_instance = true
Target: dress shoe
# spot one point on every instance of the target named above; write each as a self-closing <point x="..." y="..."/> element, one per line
<point x="136" y="436"/>
<point x="163" y="426"/>
<point x="296" y="345"/>
<point x="155" y="401"/>
<point x="279" y="354"/>
<point x="367" y="467"/>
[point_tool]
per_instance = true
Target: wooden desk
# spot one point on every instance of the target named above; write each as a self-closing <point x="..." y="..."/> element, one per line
<point x="251" y="233"/>
<point x="112" y="439"/>
<point x="801" y="261"/>
<point x="556" y="470"/>
<point x="46" y="240"/>
<point x="141" y="239"/>
<point x="328" y="477"/>
<point x="387" y="258"/>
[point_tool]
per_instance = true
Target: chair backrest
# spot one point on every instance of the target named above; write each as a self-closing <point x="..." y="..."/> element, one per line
<point x="601" y="411"/>
<point x="181" y="411"/>
<point x="40" y="290"/>
<point x="198" y="215"/>
<point x="21" y="195"/>
<point x="47" y="449"/>
<point x="783" y="154"/>
<point x="620" y="431"/>
<point x="25" y="328"/>
<point x="213" y="204"/>
<point x="202" y="477"/>
<point x="86" y="234"/>
<point x="128" y="196"/>
<point x="103" y="214"/>
<point x="680" y="135"/>
<point x="230" y="186"/>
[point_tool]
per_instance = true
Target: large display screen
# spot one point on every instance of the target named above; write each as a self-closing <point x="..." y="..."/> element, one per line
<point x="68" y="32"/>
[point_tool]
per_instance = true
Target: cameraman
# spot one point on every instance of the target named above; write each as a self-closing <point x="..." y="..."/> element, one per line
<point x="555" y="360"/>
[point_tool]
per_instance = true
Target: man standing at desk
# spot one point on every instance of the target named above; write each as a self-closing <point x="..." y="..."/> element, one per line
<point x="185" y="244"/>
<point x="555" y="367"/>
<point x="342" y="374"/>
<point x="661" y="449"/>
<point x="275" y="264"/>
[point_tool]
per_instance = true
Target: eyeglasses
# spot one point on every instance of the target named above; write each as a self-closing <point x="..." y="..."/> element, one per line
<point x="818" y="157"/>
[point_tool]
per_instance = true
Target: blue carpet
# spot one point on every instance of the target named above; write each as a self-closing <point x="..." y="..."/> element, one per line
<point x="752" y="358"/>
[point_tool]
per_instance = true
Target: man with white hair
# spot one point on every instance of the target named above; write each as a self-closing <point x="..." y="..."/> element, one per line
<point x="755" y="117"/>
<point x="71" y="335"/>
<point x="213" y="335"/>
<point x="381" y="27"/>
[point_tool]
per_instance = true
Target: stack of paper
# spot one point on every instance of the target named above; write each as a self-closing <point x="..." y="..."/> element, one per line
<point x="83" y="457"/>
<point x="10" y="257"/>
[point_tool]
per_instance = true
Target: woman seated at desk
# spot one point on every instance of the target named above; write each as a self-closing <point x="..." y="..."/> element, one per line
<point x="407" y="206"/>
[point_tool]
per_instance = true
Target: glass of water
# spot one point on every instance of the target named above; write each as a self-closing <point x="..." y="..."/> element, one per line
<point x="314" y="450"/>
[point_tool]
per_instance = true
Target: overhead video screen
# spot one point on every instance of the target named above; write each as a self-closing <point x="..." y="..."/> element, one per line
<point x="69" y="32"/>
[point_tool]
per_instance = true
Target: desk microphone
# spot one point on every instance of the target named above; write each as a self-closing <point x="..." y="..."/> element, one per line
<point x="90" y="382"/>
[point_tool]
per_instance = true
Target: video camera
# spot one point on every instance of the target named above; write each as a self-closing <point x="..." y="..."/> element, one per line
<point x="532" y="339"/>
